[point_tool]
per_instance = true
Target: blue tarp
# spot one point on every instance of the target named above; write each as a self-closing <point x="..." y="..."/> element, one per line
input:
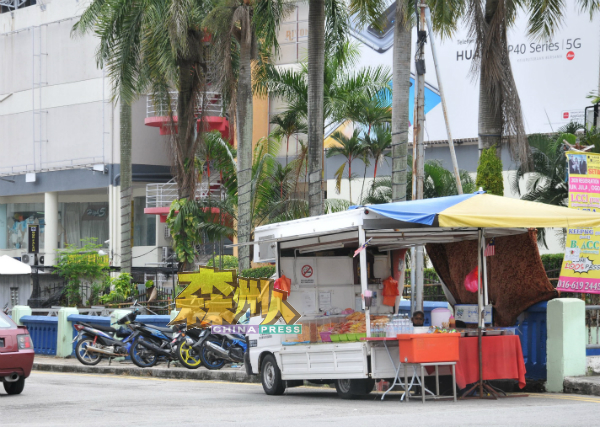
<point x="418" y="211"/>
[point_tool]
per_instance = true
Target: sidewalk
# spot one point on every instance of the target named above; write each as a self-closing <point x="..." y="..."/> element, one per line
<point x="589" y="385"/>
<point x="56" y="364"/>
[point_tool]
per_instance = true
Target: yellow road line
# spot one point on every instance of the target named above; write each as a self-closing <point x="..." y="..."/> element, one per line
<point x="566" y="397"/>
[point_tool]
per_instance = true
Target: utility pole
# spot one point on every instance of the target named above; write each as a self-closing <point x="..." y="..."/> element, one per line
<point x="418" y="149"/>
<point x="444" y="108"/>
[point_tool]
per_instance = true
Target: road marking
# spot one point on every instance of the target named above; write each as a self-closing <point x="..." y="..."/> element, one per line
<point x="566" y="397"/>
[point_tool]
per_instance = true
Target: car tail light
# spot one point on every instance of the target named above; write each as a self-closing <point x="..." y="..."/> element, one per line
<point x="78" y="327"/>
<point x="24" y="342"/>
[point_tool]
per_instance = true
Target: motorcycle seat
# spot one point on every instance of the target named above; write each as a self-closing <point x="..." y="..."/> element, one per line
<point x="160" y="328"/>
<point x="100" y="327"/>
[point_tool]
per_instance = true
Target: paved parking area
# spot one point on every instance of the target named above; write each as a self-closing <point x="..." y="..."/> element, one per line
<point x="59" y="399"/>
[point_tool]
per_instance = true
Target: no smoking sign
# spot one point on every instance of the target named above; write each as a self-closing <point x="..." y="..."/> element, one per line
<point x="307" y="271"/>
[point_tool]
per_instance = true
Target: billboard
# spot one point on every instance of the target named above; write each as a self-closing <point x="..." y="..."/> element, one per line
<point x="553" y="76"/>
<point x="580" y="270"/>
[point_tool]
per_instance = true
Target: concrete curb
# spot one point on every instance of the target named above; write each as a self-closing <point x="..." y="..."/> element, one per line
<point x="239" y="376"/>
<point x="575" y="385"/>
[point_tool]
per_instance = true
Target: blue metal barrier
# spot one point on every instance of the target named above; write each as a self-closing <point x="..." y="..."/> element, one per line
<point x="43" y="331"/>
<point x="532" y="331"/>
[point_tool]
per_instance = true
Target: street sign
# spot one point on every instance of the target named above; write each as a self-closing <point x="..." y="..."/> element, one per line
<point x="33" y="238"/>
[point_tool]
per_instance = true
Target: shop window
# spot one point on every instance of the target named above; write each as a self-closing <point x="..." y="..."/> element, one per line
<point x="144" y="226"/>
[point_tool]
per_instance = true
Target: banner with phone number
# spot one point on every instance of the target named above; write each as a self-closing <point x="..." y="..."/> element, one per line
<point x="580" y="270"/>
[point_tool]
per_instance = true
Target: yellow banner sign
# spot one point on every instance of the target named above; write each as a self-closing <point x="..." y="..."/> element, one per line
<point x="580" y="270"/>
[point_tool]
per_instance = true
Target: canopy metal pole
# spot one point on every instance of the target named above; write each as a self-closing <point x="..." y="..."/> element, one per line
<point x="485" y="275"/>
<point x="480" y="311"/>
<point x="412" y="280"/>
<point x="364" y="280"/>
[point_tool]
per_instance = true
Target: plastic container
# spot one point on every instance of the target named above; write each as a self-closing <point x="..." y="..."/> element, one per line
<point x="325" y="336"/>
<point x="352" y="337"/>
<point x="343" y="337"/>
<point x="509" y="330"/>
<point x="440" y="316"/>
<point x="335" y="337"/>
<point x="359" y="336"/>
<point x="426" y="348"/>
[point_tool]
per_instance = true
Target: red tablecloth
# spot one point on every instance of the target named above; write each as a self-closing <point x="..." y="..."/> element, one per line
<point x="502" y="359"/>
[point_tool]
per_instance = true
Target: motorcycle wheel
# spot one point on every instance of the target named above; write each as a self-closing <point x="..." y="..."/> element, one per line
<point x="188" y="356"/>
<point x="141" y="356"/>
<point x="89" y="359"/>
<point x="208" y="359"/>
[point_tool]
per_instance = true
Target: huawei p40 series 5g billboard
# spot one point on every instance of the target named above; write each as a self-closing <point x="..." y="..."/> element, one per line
<point x="553" y="76"/>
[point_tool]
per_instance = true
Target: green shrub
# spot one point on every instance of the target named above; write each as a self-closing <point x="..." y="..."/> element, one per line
<point x="229" y="261"/>
<point x="489" y="172"/>
<point x="552" y="261"/>
<point x="260" y="272"/>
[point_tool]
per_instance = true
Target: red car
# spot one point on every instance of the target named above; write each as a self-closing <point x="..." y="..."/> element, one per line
<point x="16" y="355"/>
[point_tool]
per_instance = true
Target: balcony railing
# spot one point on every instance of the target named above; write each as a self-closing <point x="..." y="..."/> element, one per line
<point x="156" y="107"/>
<point x="162" y="195"/>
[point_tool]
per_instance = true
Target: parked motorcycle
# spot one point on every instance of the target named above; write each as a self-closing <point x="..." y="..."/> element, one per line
<point x="95" y="342"/>
<point x="217" y="350"/>
<point x="188" y="355"/>
<point x="151" y="343"/>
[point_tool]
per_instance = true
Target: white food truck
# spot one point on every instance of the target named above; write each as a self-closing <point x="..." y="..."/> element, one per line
<point x="316" y="253"/>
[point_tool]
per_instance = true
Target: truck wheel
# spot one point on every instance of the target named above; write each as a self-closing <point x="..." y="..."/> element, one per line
<point x="351" y="389"/>
<point x="343" y="388"/>
<point x="271" y="376"/>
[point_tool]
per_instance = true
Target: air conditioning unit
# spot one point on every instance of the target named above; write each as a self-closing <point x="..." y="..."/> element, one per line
<point x="28" y="259"/>
<point x="167" y="253"/>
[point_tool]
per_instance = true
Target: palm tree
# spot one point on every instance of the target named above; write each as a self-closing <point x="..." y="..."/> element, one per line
<point x="400" y="96"/>
<point x="350" y="148"/>
<point x="344" y="85"/>
<point x="238" y="26"/>
<point x="316" y="72"/>
<point x="288" y="124"/>
<point x="126" y="180"/>
<point x="327" y="30"/>
<point x="378" y="144"/>
<point x="152" y="47"/>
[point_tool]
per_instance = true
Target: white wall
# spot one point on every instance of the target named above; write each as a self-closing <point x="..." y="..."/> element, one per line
<point x="69" y="119"/>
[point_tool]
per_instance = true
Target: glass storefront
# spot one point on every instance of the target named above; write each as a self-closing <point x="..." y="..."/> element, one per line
<point x="76" y="222"/>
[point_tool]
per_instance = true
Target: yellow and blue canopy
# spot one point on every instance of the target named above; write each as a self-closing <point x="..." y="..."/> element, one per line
<point x="482" y="210"/>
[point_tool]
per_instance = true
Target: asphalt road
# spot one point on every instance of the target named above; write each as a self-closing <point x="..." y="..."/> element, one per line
<point x="56" y="399"/>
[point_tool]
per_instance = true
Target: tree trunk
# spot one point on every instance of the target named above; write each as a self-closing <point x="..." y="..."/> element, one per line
<point x="186" y="122"/>
<point x="316" y="74"/>
<point x="287" y="149"/>
<point x="244" y="157"/>
<point x="125" y="146"/>
<point x="400" y="94"/>
<point x="350" y="178"/>
<point x="490" y="121"/>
